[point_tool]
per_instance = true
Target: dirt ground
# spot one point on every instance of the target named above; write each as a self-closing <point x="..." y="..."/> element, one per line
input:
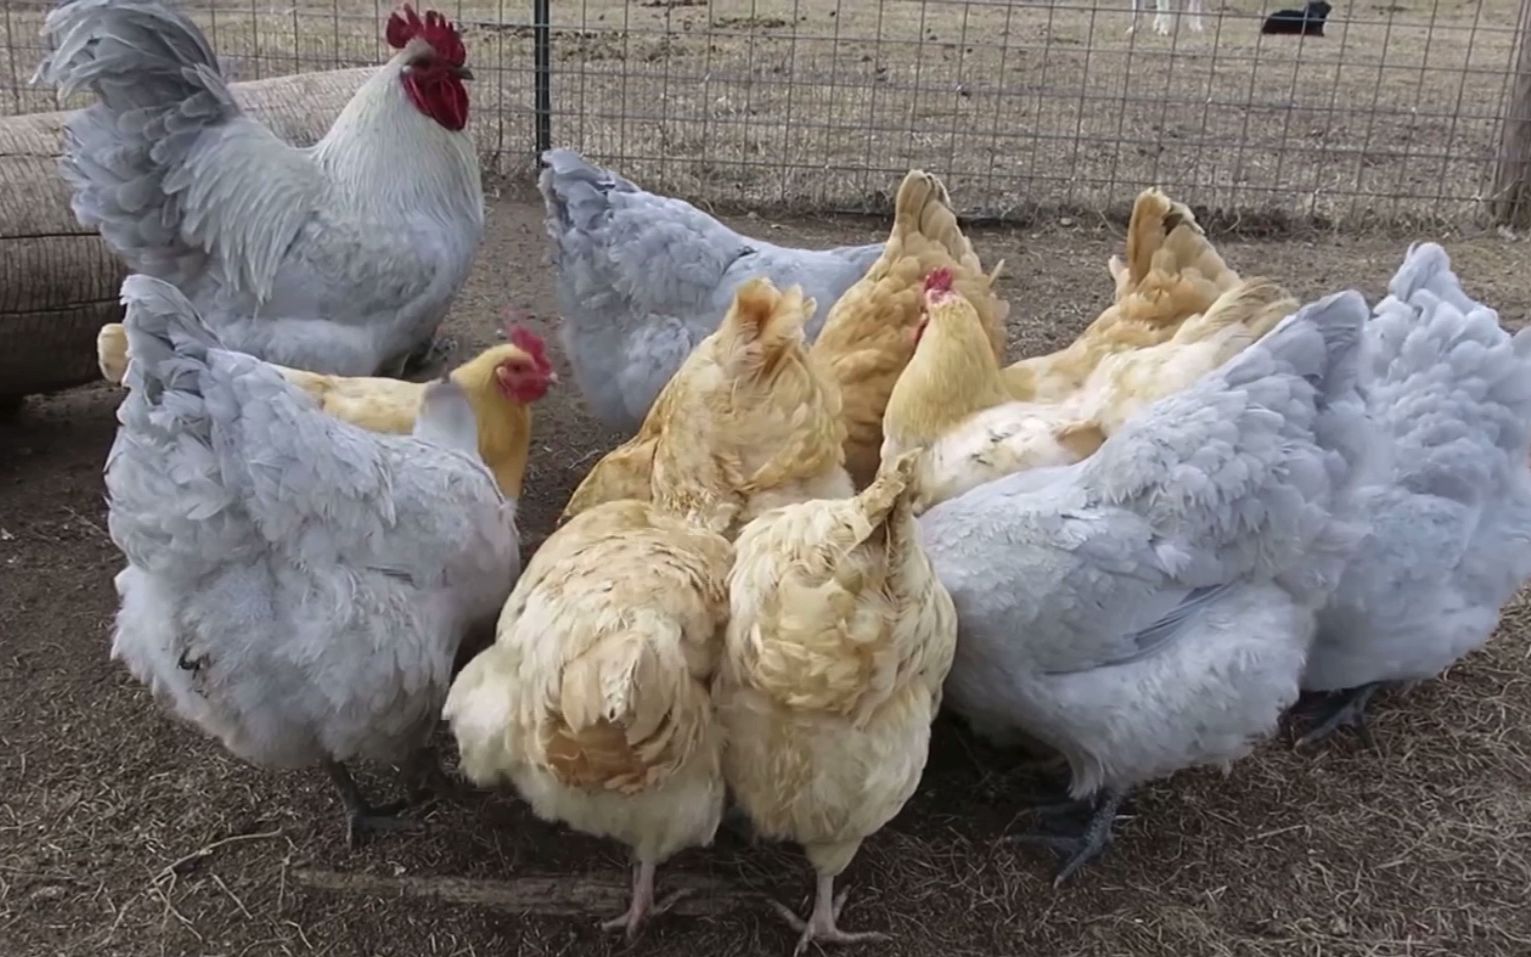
<point x="124" y="832"/>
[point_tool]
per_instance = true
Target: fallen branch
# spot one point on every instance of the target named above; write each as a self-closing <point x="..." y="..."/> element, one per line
<point x="555" y="895"/>
<point x="174" y="867"/>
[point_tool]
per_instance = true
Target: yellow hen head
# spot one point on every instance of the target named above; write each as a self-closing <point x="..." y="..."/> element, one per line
<point x="953" y="373"/>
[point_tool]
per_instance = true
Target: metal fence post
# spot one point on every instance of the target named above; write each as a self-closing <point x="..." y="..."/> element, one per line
<point x="542" y="39"/>
<point x="1512" y="177"/>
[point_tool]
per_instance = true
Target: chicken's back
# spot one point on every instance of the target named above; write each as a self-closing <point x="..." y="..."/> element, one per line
<point x="1448" y="501"/>
<point x="594" y="700"/>
<point x="1123" y="383"/>
<point x="641" y="279"/>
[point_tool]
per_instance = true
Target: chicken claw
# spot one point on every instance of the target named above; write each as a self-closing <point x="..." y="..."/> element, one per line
<point x="822" y="925"/>
<point x="1336" y="710"/>
<point x="361" y="817"/>
<point x="642" y="908"/>
<point x="1078" y="850"/>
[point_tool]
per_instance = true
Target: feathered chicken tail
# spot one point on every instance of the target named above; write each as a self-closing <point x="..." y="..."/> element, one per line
<point x="1164" y="238"/>
<point x="1447" y="383"/>
<point x="924" y="208"/>
<point x="763" y="324"/>
<point x="631" y="712"/>
<point x="166" y="337"/>
<point x="157" y="86"/>
<point x="1152" y="217"/>
<point x="446" y="417"/>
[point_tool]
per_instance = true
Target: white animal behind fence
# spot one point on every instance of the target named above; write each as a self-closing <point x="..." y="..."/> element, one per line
<point x="1164" y="19"/>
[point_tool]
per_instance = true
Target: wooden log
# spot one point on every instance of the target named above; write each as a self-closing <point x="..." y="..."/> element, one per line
<point x="58" y="281"/>
<point x="542" y="895"/>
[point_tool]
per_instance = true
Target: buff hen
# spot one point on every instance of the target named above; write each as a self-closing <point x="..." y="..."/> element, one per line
<point x="501" y="384"/>
<point x="838" y="641"/>
<point x="869" y="335"/>
<point x="751" y="420"/>
<point x="594" y="700"/>
<point x="1171" y="273"/>
<point x="951" y="402"/>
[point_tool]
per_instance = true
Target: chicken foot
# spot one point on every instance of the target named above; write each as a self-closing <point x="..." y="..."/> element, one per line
<point x="1092" y="841"/>
<point x="822" y="926"/>
<point x="1338" y="709"/>
<point x="424" y="778"/>
<point x="362" y="817"/>
<point x="641" y="907"/>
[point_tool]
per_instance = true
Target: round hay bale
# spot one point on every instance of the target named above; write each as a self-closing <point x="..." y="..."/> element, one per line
<point x="58" y="281"/>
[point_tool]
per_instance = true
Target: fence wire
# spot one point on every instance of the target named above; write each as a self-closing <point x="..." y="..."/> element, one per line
<point x="1396" y="113"/>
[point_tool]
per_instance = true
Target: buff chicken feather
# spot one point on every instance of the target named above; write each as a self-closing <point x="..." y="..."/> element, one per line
<point x="593" y="701"/>
<point x="952" y="404"/>
<point x="838" y="641"/>
<point x="752" y="420"/>
<point x="868" y="337"/>
<point x="1172" y="272"/>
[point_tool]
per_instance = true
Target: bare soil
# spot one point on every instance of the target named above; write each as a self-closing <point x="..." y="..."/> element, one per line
<point x="124" y="832"/>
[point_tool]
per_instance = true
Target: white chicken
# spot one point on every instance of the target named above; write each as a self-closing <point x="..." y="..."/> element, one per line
<point x="643" y="278"/>
<point x="296" y="586"/>
<point x="339" y="258"/>
<point x="1150" y="608"/>
<point x="1445" y="498"/>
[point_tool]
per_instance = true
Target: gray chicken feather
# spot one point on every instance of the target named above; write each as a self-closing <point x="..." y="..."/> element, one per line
<point x="642" y="278"/>
<point x="1150" y="608"/>
<point x="1446" y="498"/>
<point x="296" y="586"/>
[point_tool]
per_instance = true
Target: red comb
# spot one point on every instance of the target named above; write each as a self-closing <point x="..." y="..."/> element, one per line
<point x="939" y="280"/>
<point x="405" y="24"/>
<point x="530" y="343"/>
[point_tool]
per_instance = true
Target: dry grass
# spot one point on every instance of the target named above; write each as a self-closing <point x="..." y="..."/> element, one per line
<point x="125" y="833"/>
<point x="1029" y="110"/>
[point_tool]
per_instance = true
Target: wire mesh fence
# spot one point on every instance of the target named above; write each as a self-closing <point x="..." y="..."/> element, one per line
<point x="1396" y="112"/>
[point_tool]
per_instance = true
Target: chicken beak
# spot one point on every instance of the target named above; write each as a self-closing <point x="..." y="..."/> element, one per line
<point x="462" y="73"/>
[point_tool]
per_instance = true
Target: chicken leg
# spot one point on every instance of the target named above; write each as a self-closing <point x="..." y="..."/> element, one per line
<point x="361" y="817"/>
<point x="1338" y="709"/>
<point x="424" y="778"/>
<point x="822" y="926"/>
<point x="641" y="906"/>
<point x="1092" y="841"/>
